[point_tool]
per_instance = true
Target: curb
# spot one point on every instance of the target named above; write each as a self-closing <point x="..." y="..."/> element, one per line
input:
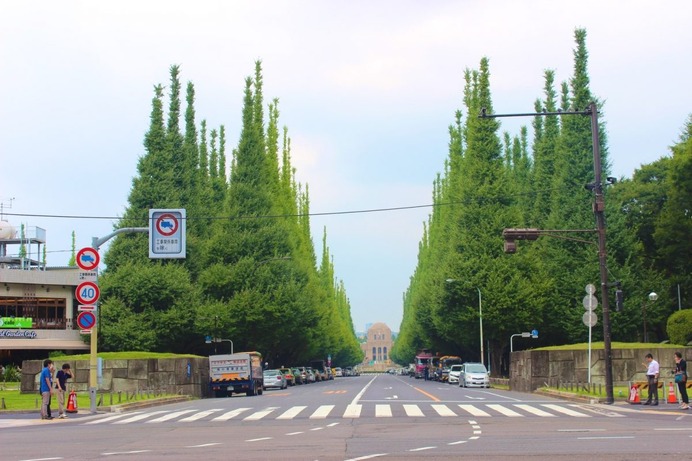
<point x="570" y="396"/>
<point x="144" y="404"/>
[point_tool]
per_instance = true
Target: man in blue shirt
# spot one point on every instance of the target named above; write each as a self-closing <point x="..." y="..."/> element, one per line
<point x="46" y="382"/>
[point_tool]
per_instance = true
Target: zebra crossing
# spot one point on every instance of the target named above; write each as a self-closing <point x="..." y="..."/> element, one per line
<point x="354" y="411"/>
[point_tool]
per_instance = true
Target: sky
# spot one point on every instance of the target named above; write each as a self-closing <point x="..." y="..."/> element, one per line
<point x="366" y="89"/>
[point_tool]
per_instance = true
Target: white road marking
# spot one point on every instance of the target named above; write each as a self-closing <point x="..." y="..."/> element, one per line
<point x="332" y="424"/>
<point x="133" y="452"/>
<point x="443" y="410"/>
<point x="231" y="414"/>
<point x="566" y="411"/>
<point x="353" y="411"/>
<point x="457" y="443"/>
<point x="473" y="410"/>
<point x="383" y="411"/>
<point x="295" y="433"/>
<point x="413" y="411"/>
<point x="200" y="415"/>
<point x="41" y="459"/>
<point x="362" y="458"/>
<point x="422" y="448"/>
<point x="259" y="439"/>
<point x="170" y="416"/>
<point x="534" y="410"/>
<point x="673" y="428"/>
<point x="606" y="438"/>
<point x="139" y="417"/>
<point x="204" y="445"/>
<point x="291" y="412"/>
<point x="322" y="412"/>
<point x="504" y="411"/>
<point x="112" y="418"/>
<point x="581" y="430"/>
<point x="362" y="391"/>
<point x="260" y="414"/>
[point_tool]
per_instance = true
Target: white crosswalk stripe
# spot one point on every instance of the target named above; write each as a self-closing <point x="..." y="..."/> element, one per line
<point x="260" y="414"/>
<point x="169" y="416"/>
<point x="504" y="410"/>
<point x="353" y="411"/>
<point x="231" y="414"/>
<point x="534" y="410"/>
<point x="200" y="415"/>
<point x="443" y="410"/>
<point x="291" y="412"/>
<point x="413" y="411"/>
<point x="513" y="410"/>
<point x="322" y="412"/>
<point x="473" y="410"/>
<point x="135" y="418"/>
<point x="383" y="411"/>
<point x="566" y="411"/>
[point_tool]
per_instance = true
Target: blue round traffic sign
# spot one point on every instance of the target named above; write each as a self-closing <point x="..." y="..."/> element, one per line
<point x="86" y="320"/>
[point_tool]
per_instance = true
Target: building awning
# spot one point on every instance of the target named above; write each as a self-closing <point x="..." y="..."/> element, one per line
<point x="42" y="344"/>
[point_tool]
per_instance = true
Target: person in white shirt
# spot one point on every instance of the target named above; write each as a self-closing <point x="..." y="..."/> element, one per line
<point x="652" y="377"/>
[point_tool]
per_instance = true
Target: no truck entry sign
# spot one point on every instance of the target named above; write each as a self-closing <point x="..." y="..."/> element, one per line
<point x="167" y="233"/>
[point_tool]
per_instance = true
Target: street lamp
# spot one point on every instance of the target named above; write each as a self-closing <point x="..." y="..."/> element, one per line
<point x="652" y="297"/>
<point x="480" y="317"/>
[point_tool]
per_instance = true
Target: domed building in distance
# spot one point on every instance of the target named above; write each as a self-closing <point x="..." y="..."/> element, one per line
<point x="377" y="348"/>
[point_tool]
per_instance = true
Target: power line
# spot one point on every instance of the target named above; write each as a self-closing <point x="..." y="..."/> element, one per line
<point x="300" y="215"/>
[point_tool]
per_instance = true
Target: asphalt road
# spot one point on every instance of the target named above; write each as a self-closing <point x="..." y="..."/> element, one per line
<point x="358" y="418"/>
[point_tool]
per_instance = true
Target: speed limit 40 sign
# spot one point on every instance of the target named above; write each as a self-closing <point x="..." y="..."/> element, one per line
<point x="87" y="293"/>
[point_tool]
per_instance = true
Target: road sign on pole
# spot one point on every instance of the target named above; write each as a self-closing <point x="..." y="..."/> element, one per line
<point x="167" y="233"/>
<point x="87" y="293"/>
<point x="87" y="259"/>
<point x="86" y="320"/>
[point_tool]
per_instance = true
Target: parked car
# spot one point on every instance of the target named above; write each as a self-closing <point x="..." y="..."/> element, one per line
<point x="316" y="374"/>
<point x="310" y="376"/>
<point x="288" y="373"/>
<point x="338" y="372"/>
<point x="274" y="378"/>
<point x="454" y="372"/>
<point x="298" y="375"/>
<point x="474" y="375"/>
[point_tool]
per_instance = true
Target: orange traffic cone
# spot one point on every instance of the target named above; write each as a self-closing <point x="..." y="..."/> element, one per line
<point x="72" y="403"/>
<point x="672" y="398"/>
<point x="634" y="394"/>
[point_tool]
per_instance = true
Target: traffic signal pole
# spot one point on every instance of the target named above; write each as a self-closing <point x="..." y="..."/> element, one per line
<point x="599" y="213"/>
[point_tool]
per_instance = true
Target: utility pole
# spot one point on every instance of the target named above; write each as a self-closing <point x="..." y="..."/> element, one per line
<point x="599" y="213"/>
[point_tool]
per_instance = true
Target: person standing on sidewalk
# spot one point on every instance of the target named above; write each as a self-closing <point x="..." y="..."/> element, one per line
<point x="62" y="376"/>
<point x="46" y="383"/>
<point x="681" y="380"/>
<point x="652" y="373"/>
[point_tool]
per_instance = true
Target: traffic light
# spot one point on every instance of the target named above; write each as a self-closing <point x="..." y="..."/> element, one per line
<point x="619" y="299"/>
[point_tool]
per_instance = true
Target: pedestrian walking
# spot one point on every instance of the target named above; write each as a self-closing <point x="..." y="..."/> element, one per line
<point x="652" y="373"/>
<point x="46" y="388"/>
<point x="62" y="376"/>
<point x="681" y="380"/>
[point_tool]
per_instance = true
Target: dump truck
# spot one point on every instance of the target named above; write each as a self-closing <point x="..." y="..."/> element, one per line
<point x="425" y="360"/>
<point x="235" y="373"/>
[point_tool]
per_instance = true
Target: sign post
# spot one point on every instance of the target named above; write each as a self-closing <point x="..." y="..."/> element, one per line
<point x="87" y="294"/>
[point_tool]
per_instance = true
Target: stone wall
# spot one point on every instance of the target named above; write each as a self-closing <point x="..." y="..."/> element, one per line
<point x="530" y="370"/>
<point x="167" y="375"/>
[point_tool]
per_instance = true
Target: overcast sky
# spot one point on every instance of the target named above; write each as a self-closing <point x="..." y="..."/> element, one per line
<point x="367" y="90"/>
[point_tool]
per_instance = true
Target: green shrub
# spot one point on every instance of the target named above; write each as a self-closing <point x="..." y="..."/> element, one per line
<point x="679" y="327"/>
<point x="12" y="373"/>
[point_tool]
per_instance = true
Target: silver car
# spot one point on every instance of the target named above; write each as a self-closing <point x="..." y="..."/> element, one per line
<point x="474" y="375"/>
<point x="454" y="372"/>
<point x="274" y="378"/>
